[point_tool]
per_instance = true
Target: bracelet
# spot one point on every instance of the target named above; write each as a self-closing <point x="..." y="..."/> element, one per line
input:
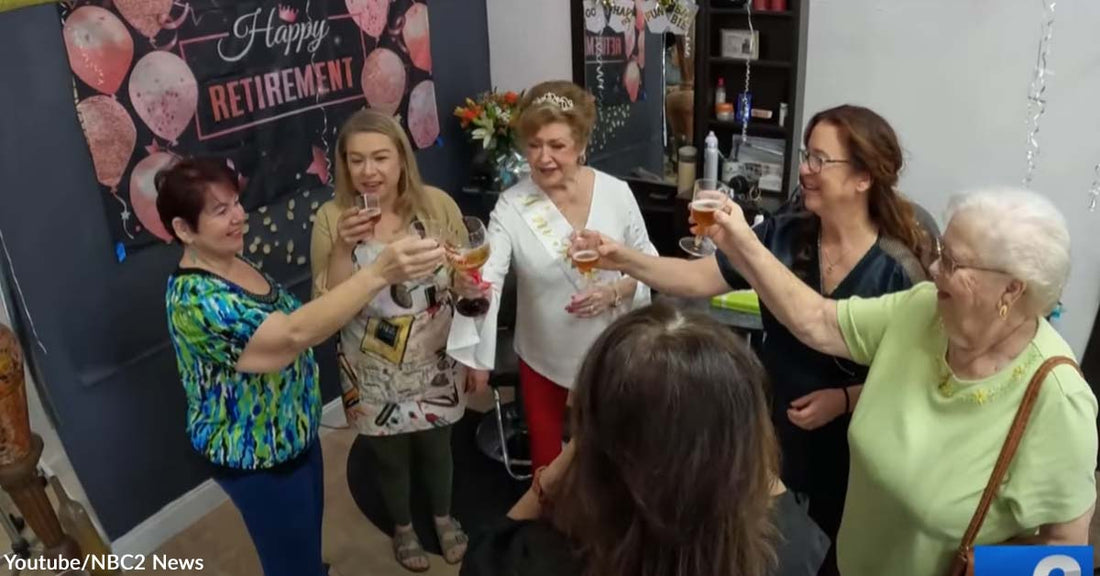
<point x="847" y="401"/>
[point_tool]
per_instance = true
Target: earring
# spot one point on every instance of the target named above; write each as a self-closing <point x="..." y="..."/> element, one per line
<point x="1003" y="311"/>
<point x="583" y="159"/>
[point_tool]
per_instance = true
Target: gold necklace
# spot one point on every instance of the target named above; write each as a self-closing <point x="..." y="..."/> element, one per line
<point x="829" y="264"/>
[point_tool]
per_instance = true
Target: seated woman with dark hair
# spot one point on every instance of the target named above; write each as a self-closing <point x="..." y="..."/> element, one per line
<point x="672" y="469"/>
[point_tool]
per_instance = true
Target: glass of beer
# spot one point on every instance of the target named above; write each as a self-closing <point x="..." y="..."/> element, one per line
<point x="370" y="204"/>
<point x="468" y="251"/>
<point x="709" y="197"/>
<point x="585" y="254"/>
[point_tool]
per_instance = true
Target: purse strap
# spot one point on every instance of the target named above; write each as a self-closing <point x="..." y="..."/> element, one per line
<point x="1008" y="450"/>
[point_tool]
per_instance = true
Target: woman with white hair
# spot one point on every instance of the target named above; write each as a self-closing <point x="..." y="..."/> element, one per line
<point x="949" y="363"/>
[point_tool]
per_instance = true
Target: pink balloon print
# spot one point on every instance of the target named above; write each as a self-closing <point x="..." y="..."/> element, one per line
<point x="632" y="79"/>
<point x="111" y="137"/>
<point x="143" y="192"/>
<point x="383" y="80"/>
<point x="423" y="117"/>
<point x="99" y="46"/>
<point x="147" y="16"/>
<point x="641" y="49"/>
<point x="164" y="93"/>
<point x="370" y="15"/>
<point x="416" y="35"/>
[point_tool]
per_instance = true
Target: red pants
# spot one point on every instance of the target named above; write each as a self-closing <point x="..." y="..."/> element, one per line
<point x="544" y="408"/>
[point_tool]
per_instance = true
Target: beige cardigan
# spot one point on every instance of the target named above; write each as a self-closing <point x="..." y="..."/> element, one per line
<point x="440" y="205"/>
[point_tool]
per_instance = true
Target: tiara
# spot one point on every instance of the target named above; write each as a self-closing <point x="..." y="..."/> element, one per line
<point x="550" y="98"/>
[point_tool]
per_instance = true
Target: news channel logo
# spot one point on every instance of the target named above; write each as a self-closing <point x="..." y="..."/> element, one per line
<point x="1032" y="560"/>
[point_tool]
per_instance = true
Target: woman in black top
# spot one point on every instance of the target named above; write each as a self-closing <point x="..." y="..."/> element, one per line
<point x="856" y="237"/>
<point x="671" y="470"/>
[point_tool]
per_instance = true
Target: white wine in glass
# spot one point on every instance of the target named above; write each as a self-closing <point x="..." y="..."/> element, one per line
<point x="468" y="253"/>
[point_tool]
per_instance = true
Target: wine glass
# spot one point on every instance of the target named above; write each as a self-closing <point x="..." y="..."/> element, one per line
<point x="427" y="229"/>
<point x="468" y="251"/>
<point x="709" y="197"/>
<point x="371" y="204"/>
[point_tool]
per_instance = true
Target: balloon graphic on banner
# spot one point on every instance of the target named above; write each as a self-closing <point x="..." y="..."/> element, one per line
<point x="632" y="79"/>
<point x="641" y="49"/>
<point x="370" y="15"/>
<point x="147" y="16"/>
<point x="164" y="93"/>
<point x="111" y="137"/>
<point x="99" y="46"/>
<point x="143" y="192"/>
<point x="423" y="119"/>
<point x="383" y="80"/>
<point x="415" y="34"/>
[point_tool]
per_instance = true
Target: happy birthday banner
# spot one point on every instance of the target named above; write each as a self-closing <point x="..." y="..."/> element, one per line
<point x="264" y="85"/>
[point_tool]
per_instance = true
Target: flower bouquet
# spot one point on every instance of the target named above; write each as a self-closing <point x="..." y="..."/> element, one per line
<point x="488" y="120"/>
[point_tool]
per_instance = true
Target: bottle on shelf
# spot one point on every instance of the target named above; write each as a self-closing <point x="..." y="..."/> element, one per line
<point x="719" y="94"/>
<point x="710" y="157"/>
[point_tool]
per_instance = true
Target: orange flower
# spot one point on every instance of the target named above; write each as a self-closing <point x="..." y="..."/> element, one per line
<point x="510" y="97"/>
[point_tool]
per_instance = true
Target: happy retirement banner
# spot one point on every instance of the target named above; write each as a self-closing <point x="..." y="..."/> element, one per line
<point x="264" y="85"/>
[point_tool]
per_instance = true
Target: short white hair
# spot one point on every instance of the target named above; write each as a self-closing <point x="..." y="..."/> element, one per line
<point x="1021" y="233"/>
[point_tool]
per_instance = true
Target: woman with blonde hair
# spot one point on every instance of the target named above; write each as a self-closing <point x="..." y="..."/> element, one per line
<point x="559" y="311"/>
<point x="401" y="390"/>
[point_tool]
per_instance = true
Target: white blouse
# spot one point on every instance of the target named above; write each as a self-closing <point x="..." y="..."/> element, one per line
<point x="529" y="233"/>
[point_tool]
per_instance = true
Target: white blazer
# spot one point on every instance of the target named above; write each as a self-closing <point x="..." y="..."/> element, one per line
<point x="528" y="233"/>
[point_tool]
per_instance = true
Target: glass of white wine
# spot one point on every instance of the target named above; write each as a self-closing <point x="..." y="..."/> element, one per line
<point x="468" y="252"/>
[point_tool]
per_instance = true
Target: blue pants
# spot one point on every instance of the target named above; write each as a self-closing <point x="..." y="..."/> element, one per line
<point x="282" y="509"/>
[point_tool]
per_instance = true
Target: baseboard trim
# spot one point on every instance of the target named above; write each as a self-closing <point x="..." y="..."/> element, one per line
<point x="181" y="513"/>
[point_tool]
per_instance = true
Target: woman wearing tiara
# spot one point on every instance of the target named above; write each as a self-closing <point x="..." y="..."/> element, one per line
<point x="560" y="311"/>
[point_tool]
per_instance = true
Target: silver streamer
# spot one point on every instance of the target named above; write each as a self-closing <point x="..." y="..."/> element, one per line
<point x="748" y="74"/>
<point x="1094" y="192"/>
<point x="1036" y="103"/>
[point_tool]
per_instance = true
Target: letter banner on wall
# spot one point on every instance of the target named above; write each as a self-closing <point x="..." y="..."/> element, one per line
<point x="263" y="85"/>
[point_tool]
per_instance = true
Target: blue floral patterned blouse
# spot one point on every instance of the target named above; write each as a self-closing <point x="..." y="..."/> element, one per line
<point x="234" y="419"/>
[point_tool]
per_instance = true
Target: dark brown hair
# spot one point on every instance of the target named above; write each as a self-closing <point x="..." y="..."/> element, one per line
<point x="675" y="452"/>
<point x="533" y="116"/>
<point x="181" y="189"/>
<point x="873" y="148"/>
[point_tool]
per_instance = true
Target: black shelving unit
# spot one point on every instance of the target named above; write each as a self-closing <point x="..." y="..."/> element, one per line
<point x="777" y="76"/>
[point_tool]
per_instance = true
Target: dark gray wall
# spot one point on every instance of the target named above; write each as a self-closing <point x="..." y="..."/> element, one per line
<point x="109" y="379"/>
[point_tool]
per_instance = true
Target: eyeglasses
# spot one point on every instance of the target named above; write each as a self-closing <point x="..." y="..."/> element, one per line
<point x="948" y="264"/>
<point x="817" y="162"/>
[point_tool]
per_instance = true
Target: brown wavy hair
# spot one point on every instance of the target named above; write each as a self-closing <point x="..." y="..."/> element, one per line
<point x="675" y="454"/>
<point x="580" y="118"/>
<point x="873" y="147"/>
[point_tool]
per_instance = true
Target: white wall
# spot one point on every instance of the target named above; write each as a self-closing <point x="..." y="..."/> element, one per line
<point x="952" y="77"/>
<point x="529" y="42"/>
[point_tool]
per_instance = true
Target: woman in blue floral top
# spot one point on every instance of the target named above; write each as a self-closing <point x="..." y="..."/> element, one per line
<point x="243" y="347"/>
